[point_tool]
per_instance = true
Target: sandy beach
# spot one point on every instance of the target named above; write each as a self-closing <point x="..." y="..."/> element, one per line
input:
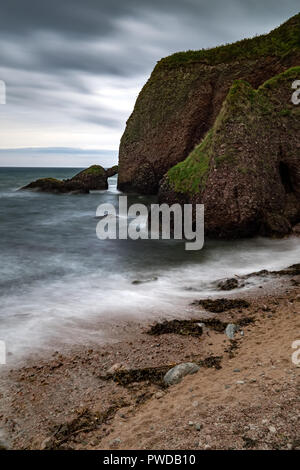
<point x="245" y="395"/>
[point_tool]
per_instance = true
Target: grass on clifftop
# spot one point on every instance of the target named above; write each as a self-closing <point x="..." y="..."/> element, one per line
<point x="243" y="106"/>
<point x="95" y="170"/>
<point x="278" y="42"/>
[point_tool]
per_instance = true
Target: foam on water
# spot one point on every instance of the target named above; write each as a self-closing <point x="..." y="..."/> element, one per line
<point x="58" y="282"/>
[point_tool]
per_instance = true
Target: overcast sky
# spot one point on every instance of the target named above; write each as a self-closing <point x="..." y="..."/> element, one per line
<point x="73" y="68"/>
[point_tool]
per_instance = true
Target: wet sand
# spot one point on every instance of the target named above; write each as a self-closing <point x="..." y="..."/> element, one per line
<point x="245" y="395"/>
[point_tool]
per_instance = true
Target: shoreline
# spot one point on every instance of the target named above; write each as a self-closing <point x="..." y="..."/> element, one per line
<point x="64" y="402"/>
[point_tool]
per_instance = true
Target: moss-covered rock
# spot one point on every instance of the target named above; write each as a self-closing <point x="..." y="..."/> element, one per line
<point x="183" y="97"/>
<point x="93" y="178"/>
<point x="246" y="169"/>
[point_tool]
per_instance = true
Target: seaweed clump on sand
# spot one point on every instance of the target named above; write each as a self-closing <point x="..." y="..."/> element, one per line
<point x="126" y="377"/>
<point x="221" y="305"/>
<point x="179" y="327"/>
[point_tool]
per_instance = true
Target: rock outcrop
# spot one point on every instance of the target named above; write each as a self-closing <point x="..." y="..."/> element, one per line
<point x="246" y="169"/>
<point x="184" y="95"/>
<point x="112" y="171"/>
<point x="93" y="178"/>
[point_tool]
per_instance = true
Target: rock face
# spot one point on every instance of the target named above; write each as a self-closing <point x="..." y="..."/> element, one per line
<point x="184" y="95"/>
<point x="246" y="169"/>
<point x="93" y="178"/>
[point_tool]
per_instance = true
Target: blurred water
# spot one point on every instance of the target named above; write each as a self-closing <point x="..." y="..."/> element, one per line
<point x="57" y="279"/>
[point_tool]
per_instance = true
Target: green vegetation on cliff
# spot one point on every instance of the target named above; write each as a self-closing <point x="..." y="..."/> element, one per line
<point x="94" y="170"/>
<point x="279" y="42"/>
<point x="256" y="111"/>
<point x="190" y="175"/>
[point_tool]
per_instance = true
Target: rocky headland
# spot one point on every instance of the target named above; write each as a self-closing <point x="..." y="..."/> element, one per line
<point x="218" y="127"/>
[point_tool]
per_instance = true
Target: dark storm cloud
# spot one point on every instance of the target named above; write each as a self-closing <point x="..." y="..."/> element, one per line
<point x="52" y="52"/>
<point x="56" y="35"/>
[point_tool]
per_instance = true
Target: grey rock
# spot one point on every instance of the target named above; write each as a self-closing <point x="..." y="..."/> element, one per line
<point x="176" y="374"/>
<point x="231" y="329"/>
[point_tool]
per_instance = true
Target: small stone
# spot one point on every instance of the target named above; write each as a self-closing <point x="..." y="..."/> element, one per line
<point x="198" y="426"/>
<point x="114" y="368"/>
<point x="272" y="429"/>
<point x="240" y="382"/>
<point x="195" y="403"/>
<point x="191" y="423"/>
<point x="236" y="370"/>
<point x="46" y="444"/>
<point x="176" y="374"/>
<point x="159" y="395"/>
<point x="115" y="442"/>
<point x="231" y="329"/>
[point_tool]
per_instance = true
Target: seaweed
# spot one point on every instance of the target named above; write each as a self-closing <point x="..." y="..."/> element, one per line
<point x="221" y="305"/>
<point x="179" y="327"/>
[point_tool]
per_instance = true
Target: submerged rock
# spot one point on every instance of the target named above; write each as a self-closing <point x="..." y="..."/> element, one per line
<point x="176" y="374"/>
<point x="136" y="282"/>
<point x="228" y="284"/>
<point x="93" y="178"/>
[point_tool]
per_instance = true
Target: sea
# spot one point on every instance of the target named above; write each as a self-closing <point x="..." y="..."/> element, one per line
<point x="60" y="286"/>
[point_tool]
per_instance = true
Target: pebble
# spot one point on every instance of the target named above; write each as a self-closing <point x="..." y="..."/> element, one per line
<point x="272" y="429"/>
<point x="231" y="329"/>
<point x="115" y="442"/>
<point x="240" y="382"/>
<point x="198" y="426"/>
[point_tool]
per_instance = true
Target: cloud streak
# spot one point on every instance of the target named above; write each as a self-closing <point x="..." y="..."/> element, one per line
<point x="73" y="69"/>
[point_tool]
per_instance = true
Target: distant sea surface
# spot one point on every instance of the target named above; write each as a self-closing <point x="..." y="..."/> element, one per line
<point x="58" y="280"/>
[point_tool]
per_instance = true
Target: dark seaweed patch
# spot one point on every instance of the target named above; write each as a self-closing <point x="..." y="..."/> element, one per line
<point x="179" y="327"/>
<point x="85" y="421"/>
<point x="221" y="305"/>
<point x="125" y="377"/>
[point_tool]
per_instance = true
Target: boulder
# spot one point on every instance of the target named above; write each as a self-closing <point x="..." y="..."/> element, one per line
<point x="246" y="169"/>
<point x="176" y="374"/>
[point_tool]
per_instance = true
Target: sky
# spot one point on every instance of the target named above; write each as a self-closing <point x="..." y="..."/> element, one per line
<point x="72" y="69"/>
